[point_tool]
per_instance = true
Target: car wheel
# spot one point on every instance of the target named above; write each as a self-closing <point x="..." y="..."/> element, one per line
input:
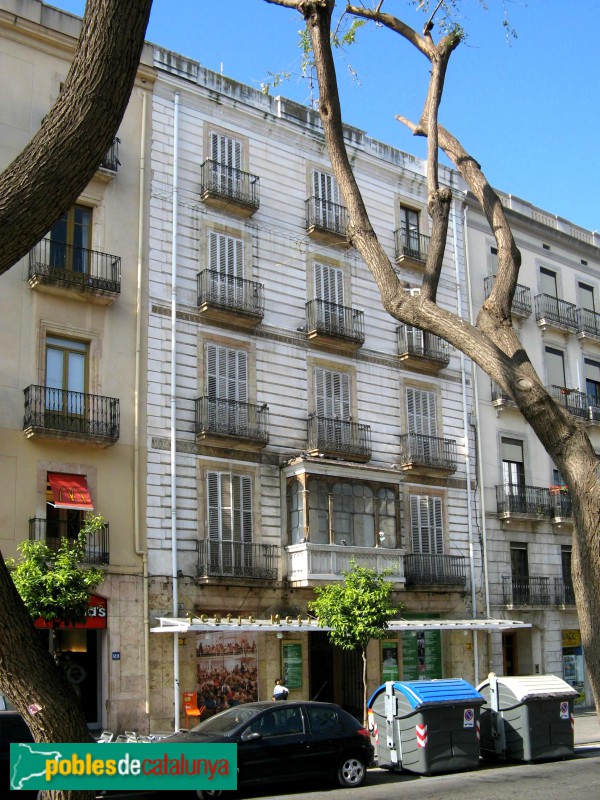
<point x="351" y="772"/>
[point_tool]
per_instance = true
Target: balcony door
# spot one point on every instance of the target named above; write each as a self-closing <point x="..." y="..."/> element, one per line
<point x="328" y="213"/>
<point x="421" y="416"/>
<point x="329" y="287"/>
<point x="332" y="405"/>
<point x="70" y="240"/>
<point x="592" y="385"/>
<point x="226" y="157"/>
<point x="409" y="228"/>
<point x="66" y="376"/>
<point x="519" y="566"/>
<point x="227" y="388"/>
<point x="229" y="523"/>
<point x="554" y="361"/>
<point x="513" y="474"/>
<point x="226" y="265"/>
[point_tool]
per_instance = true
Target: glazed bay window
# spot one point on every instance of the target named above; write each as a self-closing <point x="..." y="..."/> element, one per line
<point x="346" y="513"/>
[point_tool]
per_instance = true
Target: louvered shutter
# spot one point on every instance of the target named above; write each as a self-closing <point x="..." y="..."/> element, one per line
<point x="214" y="505"/>
<point x="325" y="187"/>
<point x="225" y="150"/>
<point x="227" y="373"/>
<point x="415" y="339"/>
<point x="436" y="520"/>
<point x="332" y="393"/>
<point x="421" y="412"/>
<point x="426" y="525"/>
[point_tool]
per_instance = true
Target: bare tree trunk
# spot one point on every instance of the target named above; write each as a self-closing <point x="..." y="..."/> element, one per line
<point x="54" y="168"/>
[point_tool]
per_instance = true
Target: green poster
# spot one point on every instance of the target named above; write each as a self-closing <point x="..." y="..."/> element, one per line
<point x="292" y="664"/>
<point x="389" y="660"/>
<point x="421" y="655"/>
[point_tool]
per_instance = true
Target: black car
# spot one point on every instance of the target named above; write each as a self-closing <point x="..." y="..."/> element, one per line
<point x="12" y="729"/>
<point x="284" y="741"/>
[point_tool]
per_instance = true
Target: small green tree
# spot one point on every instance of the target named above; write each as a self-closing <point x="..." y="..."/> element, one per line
<point x="356" y="610"/>
<point x="52" y="583"/>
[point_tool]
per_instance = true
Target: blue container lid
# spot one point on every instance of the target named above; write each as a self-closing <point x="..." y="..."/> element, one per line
<point x="445" y="690"/>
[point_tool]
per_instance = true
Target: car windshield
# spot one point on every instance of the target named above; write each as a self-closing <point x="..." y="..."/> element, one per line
<point x="225" y="722"/>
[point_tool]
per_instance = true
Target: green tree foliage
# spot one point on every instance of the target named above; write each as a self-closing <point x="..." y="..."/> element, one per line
<point x="52" y="583"/>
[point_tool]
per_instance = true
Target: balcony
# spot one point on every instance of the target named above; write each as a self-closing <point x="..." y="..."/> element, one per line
<point x="521" y="303"/>
<point x="526" y="591"/>
<point x="229" y="189"/>
<point x="336" y="438"/>
<point x="229" y="300"/>
<point x="427" y="455"/>
<point x="411" y="251"/>
<point x="334" y="327"/>
<point x="310" y="563"/>
<point x="110" y="163"/>
<point x="575" y="402"/>
<point x="326" y="222"/>
<point x="588" y="325"/>
<point x="501" y="400"/>
<point x="246" y="560"/>
<point x="53" y="531"/>
<point x="422" y="351"/>
<point x="56" y="268"/>
<point x="522" y="502"/>
<point x="229" y="423"/>
<point x="554" y="314"/>
<point x="71" y="416"/>
<point x="564" y="594"/>
<point x="561" y="510"/>
<point x="426" y="569"/>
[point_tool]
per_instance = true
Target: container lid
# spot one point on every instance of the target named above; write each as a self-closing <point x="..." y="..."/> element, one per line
<point x="531" y="687"/>
<point x="445" y="690"/>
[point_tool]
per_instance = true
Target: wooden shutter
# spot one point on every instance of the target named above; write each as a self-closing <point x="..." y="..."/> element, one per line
<point x="426" y="524"/>
<point x="332" y="394"/>
<point x="226" y="254"/>
<point x="214" y="505"/>
<point x="325" y="187"/>
<point x="242" y="508"/>
<point x="226" y="373"/>
<point x="421" y="412"/>
<point x="329" y="284"/>
<point x="225" y="150"/>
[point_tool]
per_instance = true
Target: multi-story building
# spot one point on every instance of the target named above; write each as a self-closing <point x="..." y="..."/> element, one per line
<point x="526" y="506"/>
<point x="71" y="430"/>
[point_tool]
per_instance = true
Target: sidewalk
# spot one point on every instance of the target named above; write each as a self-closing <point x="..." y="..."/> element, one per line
<point x="587" y="728"/>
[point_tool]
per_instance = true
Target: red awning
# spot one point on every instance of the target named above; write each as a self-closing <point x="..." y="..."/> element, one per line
<point x="70" y="491"/>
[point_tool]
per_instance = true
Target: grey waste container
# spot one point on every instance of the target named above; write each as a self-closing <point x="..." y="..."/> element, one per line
<point x="527" y="718"/>
<point x="426" y="726"/>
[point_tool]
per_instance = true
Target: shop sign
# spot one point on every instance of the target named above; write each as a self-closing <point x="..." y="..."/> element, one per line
<point x="96" y="617"/>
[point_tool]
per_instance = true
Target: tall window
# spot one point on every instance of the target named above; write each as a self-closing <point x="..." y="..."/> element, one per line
<point x="332" y="394"/>
<point x="421" y="411"/>
<point x="66" y="374"/>
<point x="426" y="525"/>
<point x="567" y="575"/>
<point x="70" y="240"/>
<point x="227" y="387"/>
<point x="586" y="297"/>
<point x="226" y="265"/>
<point x="409" y="228"/>
<point x="513" y="467"/>
<point x="226" y="156"/>
<point x="548" y="283"/>
<point x="592" y="381"/>
<point x="519" y="565"/>
<point x="327" y="206"/>
<point x="229" y="518"/>
<point x="555" y="366"/>
<point x="329" y="287"/>
<point x="493" y="260"/>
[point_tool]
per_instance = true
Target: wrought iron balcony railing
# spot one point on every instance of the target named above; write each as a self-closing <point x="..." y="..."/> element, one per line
<point x="425" y="569"/>
<point x="72" y="414"/>
<point x="526" y="591"/>
<point x="413" y="245"/>
<point x="232" y="418"/>
<point x="111" y="159"/>
<point x="427" y="451"/>
<point x="561" y="506"/>
<point x="227" y="559"/>
<point x="55" y="530"/>
<point x="75" y="266"/>
<point x="229" y="183"/>
<point x="550" y="310"/>
<point x="332" y="319"/>
<point x="326" y="216"/>
<point x="573" y="400"/>
<point x="531" y="501"/>
<point x="521" y="303"/>
<point x="501" y="398"/>
<point x="588" y="323"/>
<point x="564" y="593"/>
<point x="416" y="342"/>
<point x="230" y="293"/>
<point x="339" y="438"/>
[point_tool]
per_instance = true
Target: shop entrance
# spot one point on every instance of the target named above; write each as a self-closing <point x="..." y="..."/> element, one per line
<point x="335" y="674"/>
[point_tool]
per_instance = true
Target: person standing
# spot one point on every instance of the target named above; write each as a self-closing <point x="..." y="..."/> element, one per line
<point x="280" y="692"/>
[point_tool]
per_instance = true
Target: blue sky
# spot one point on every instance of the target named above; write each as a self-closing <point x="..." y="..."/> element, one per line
<point x="529" y="112"/>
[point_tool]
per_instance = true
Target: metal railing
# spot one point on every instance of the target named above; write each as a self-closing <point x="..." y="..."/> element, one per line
<point x="74" y="413"/>
<point x="335" y="320"/>
<point x="521" y="303"/>
<point x="499" y="396"/>
<point x="561" y="505"/>
<point x="229" y="292"/>
<point x="219" y="559"/>
<point x="564" y="594"/>
<point x="427" y="569"/>
<point x="416" y="342"/>
<point x="555" y="311"/>
<point x="232" y="418"/>
<point x="430" y="451"/>
<point x="326" y="216"/>
<point x="229" y="182"/>
<point x="339" y="436"/>
<point x="53" y="531"/>
<point x="526" y="591"/>
<point x="414" y="245"/>
<point x="75" y="266"/>
<point x="588" y="322"/>
<point x="573" y="400"/>
<point x="533" y="501"/>
<point x="111" y="159"/>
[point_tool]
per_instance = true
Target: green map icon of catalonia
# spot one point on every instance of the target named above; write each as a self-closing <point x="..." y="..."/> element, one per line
<point x="27" y="763"/>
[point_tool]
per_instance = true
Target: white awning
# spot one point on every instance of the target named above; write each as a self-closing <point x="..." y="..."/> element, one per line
<point x="205" y="624"/>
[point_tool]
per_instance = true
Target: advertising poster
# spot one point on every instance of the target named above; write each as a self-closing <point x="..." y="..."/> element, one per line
<point x="226" y="668"/>
<point x="291" y="658"/>
<point x="421" y="655"/>
<point x="389" y="660"/>
<point x="573" y="666"/>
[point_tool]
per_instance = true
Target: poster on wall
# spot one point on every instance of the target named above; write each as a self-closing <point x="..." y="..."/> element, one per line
<point x="226" y="668"/>
<point x="421" y="655"/>
<point x="291" y="658"/>
<point x="389" y="660"/>
<point x="573" y="665"/>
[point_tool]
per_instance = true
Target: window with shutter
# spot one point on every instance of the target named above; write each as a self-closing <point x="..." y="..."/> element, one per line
<point x="421" y="412"/>
<point x="327" y="200"/>
<point x="229" y="508"/>
<point x="332" y="394"/>
<point x="329" y="287"/>
<point x="227" y="388"/>
<point x="426" y="526"/>
<point x="226" y="156"/>
<point x="226" y="265"/>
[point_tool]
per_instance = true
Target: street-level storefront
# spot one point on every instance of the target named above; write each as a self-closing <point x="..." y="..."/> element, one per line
<point x="227" y="660"/>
